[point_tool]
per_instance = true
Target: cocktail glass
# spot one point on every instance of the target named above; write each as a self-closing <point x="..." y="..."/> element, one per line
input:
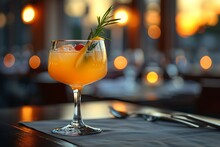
<point x="77" y="63"/>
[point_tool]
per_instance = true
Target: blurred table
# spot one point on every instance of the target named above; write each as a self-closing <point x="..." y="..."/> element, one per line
<point x="127" y="89"/>
<point x="177" y="94"/>
<point x="13" y="134"/>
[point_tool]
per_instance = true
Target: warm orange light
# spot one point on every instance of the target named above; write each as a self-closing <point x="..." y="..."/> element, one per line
<point x="206" y="62"/>
<point x="34" y="62"/>
<point x="152" y="17"/>
<point x="154" y="32"/>
<point x="193" y="15"/>
<point x="122" y="13"/>
<point x="26" y="113"/>
<point x="120" y="62"/>
<point x="213" y="20"/>
<point x="9" y="60"/>
<point x="28" y="14"/>
<point x="187" y="25"/>
<point x="152" y="77"/>
<point x="119" y="106"/>
<point x="217" y="6"/>
<point x="3" y="20"/>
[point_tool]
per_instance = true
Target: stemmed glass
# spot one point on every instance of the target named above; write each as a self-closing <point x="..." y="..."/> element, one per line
<point x="77" y="63"/>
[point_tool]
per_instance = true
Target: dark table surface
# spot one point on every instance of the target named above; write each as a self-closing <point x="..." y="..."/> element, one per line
<point x="13" y="134"/>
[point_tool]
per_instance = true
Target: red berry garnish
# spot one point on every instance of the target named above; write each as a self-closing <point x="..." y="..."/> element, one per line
<point x="79" y="47"/>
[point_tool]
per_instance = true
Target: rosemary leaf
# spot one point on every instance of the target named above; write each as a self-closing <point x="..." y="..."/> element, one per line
<point x="103" y="21"/>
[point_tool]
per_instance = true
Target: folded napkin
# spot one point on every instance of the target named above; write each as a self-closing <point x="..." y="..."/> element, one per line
<point x="134" y="132"/>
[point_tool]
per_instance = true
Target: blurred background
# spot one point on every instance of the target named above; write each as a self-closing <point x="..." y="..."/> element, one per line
<point x="162" y="53"/>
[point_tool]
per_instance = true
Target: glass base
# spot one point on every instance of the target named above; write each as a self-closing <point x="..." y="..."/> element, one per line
<point x="72" y="130"/>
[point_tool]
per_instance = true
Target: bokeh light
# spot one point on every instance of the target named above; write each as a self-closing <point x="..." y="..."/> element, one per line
<point x="123" y="14"/>
<point x="152" y="17"/>
<point x="213" y="20"/>
<point x="154" y="32"/>
<point x="34" y="62"/>
<point x="196" y="14"/>
<point x="186" y="24"/>
<point x="2" y="20"/>
<point x="152" y="77"/>
<point x="120" y="62"/>
<point x="119" y="106"/>
<point x="28" y="14"/>
<point x="206" y="62"/>
<point x="75" y="8"/>
<point x="96" y="8"/>
<point x="26" y="113"/>
<point x="9" y="60"/>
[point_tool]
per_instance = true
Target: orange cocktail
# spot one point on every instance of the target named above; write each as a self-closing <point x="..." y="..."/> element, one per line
<point x="78" y="63"/>
<point x="78" y="67"/>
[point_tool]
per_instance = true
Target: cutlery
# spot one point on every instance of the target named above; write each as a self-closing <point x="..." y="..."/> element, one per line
<point x="122" y="114"/>
<point x="150" y="117"/>
<point x="203" y="122"/>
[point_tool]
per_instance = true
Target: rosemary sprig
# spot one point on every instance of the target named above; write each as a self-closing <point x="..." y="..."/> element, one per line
<point x="103" y="21"/>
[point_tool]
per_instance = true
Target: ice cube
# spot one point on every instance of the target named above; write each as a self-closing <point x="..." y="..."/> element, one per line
<point x="66" y="48"/>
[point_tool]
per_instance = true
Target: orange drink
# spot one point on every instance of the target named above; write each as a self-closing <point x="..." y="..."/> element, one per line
<point x="78" y="63"/>
<point x="78" y="68"/>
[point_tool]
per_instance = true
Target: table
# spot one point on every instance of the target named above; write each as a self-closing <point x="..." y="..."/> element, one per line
<point x="13" y="134"/>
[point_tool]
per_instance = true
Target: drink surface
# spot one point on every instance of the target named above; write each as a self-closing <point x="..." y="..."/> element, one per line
<point x="77" y="69"/>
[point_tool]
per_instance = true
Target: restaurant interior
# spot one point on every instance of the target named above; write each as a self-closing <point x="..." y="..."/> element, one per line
<point x="161" y="53"/>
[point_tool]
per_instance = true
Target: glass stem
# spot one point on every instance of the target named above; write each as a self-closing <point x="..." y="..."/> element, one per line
<point x="77" y="119"/>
